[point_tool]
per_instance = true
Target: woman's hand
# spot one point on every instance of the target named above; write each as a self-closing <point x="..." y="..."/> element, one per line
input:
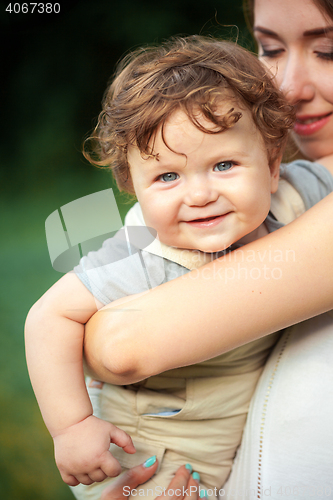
<point x="181" y="487"/>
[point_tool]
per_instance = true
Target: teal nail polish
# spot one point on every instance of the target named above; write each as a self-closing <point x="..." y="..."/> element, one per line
<point x="189" y="467"/>
<point x="203" y="494"/>
<point x="196" y="476"/>
<point x="150" y="462"/>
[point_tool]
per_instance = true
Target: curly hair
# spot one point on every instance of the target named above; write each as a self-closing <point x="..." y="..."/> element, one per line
<point x="192" y="74"/>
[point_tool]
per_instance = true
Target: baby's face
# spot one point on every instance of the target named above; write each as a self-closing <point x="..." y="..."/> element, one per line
<point x="205" y="191"/>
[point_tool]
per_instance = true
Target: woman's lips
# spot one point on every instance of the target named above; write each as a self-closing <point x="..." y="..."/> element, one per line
<point x="307" y="125"/>
<point x="207" y="222"/>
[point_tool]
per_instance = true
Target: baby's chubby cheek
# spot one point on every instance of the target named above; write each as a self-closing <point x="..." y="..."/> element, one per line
<point x="156" y="214"/>
<point x="158" y="224"/>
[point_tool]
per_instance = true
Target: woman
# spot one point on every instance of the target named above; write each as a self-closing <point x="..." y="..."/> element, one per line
<point x="295" y="40"/>
<point x="287" y="442"/>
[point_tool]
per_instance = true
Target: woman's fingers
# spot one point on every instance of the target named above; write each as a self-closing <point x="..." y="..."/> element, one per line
<point x="192" y="490"/>
<point x="177" y="489"/>
<point x="181" y="487"/>
<point x="129" y="480"/>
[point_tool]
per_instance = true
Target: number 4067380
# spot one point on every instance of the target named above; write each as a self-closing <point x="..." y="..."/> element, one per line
<point x="33" y="8"/>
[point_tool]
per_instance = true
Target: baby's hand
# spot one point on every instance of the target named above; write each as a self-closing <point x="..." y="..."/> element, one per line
<point x="82" y="451"/>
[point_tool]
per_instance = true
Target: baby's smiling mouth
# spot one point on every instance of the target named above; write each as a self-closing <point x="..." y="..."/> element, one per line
<point x="207" y="221"/>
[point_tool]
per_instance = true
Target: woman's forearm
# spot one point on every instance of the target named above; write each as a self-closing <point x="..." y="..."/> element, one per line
<point x="279" y="280"/>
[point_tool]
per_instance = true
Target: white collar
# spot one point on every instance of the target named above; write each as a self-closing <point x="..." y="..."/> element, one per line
<point x="191" y="259"/>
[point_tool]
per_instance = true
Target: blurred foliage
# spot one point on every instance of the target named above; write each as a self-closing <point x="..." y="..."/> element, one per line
<point x="56" y="68"/>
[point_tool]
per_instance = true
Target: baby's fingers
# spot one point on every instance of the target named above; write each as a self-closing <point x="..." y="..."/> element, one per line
<point x="122" y="439"/>
<point x="84" y="479"/>
<point x="97" y="476"/>
<point x="109" y="465"/>
<point x="69" y="479"/>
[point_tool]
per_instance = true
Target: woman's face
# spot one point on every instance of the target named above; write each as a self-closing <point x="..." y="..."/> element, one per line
<point x="295" y="41"/>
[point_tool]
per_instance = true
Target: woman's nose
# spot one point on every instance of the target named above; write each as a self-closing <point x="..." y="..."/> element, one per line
<point x="296" y="80"/>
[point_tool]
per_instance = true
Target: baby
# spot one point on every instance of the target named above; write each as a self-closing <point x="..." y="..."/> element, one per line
<point x="195" y="128"/>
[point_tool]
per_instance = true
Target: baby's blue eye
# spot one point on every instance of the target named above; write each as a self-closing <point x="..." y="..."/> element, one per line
<point x="170" y="176"/>
<point x="223" y="165"/>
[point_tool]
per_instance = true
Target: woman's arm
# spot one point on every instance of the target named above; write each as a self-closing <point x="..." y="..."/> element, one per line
<point x="279" y="280"/>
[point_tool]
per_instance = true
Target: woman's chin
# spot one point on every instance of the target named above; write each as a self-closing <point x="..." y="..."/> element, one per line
<point x="314" y="148"/>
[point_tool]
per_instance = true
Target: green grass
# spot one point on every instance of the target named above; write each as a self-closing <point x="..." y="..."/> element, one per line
<point x="27" y="468"/>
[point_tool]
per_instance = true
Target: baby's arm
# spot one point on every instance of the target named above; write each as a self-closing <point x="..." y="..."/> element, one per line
<point x="54" y="343"/>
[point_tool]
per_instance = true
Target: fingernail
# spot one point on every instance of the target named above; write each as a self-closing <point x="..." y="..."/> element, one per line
<point x="203" y="494"/>
<point x="189" y="467"/>
<point x="95" y="384"/>
<point x="196" y="476"/>
<point x="150" y="462"/>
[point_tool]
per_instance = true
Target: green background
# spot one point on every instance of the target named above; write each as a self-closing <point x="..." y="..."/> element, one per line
<point x="56" y="68"/>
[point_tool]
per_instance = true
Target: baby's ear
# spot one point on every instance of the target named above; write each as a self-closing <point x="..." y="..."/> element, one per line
<point x="125" y="183"/>
<point x="274" y="166"/>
